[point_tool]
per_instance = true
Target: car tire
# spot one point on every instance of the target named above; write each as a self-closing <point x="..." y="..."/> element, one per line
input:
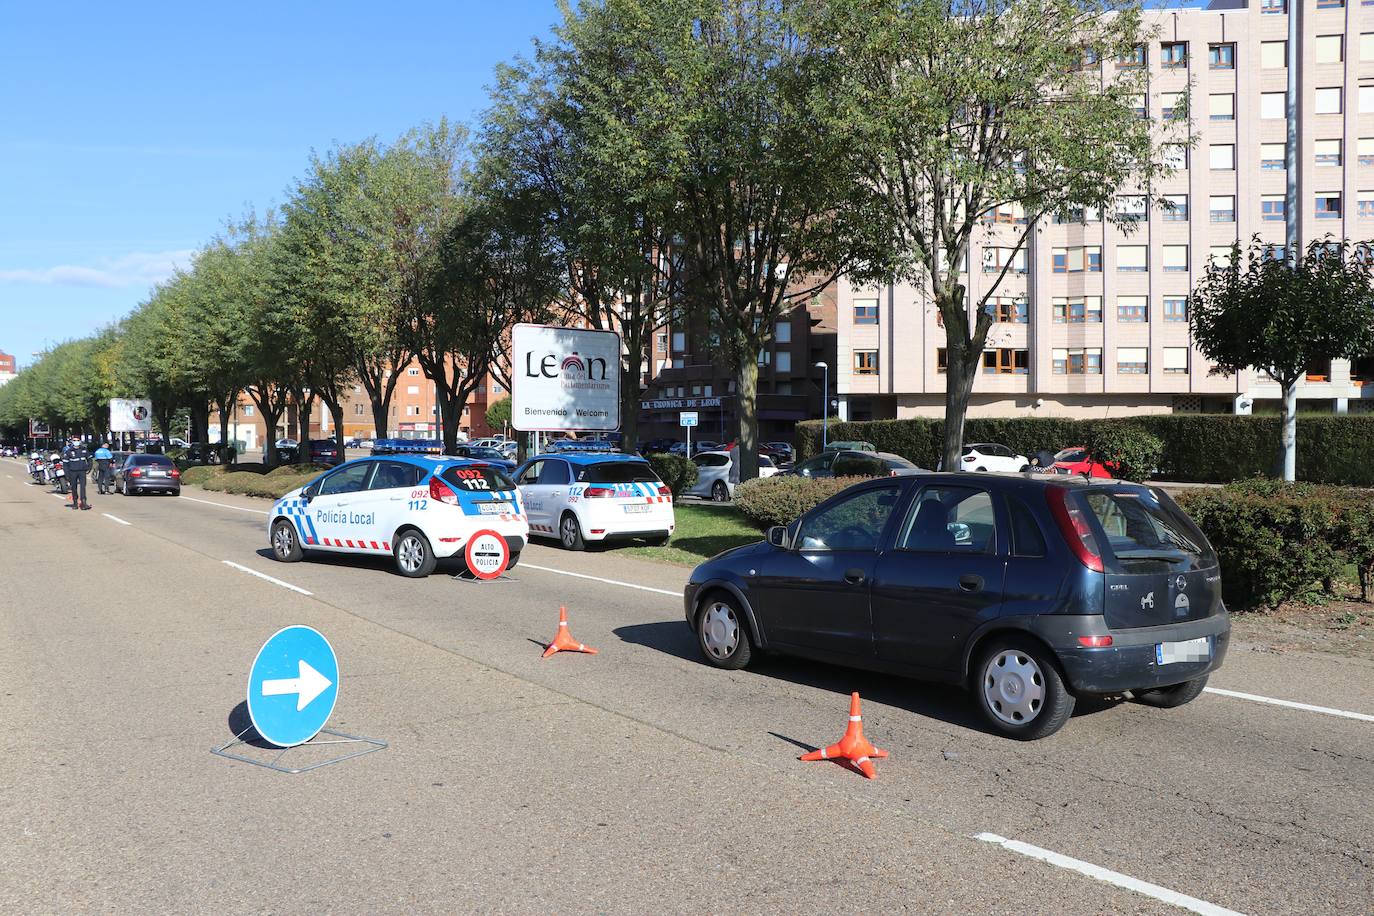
<point x="286" y="544"/>
<point x="1018" y="687"/>
<point x="981" y="469"/>
<point x="720" y="492"/>
<point x="723" y="633"/>
<point x="414" y="557"/>
<point x="1173" y="696"/>
<point x="1025" y="469"/>
<point x="570" y="532"/>
<point x="514" y="559"/>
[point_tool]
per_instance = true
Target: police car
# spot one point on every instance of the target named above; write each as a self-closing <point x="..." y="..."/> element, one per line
<point x="595" y="497"/>
<point x="418" y="509"/>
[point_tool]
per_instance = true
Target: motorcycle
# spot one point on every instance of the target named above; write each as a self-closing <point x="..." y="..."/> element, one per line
<point x="58" y="475"/>
<point x="36" y="468"/>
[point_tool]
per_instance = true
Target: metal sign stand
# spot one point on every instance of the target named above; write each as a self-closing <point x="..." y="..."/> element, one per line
<point x="468" y="577"/>
<point x="275" y="763"/>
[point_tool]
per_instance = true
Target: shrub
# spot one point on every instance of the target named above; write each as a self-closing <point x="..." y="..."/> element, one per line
<point x="1132" y="451"/>
<point x="677" y="472"/>
<point x="779" y="500"/>
<point x="295" y="470"/>
<point x="250" y="484"/>
<point x="201" y="473"/>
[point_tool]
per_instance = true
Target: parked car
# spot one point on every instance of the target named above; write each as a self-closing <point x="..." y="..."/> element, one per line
<point x="989" y="456"/>
<point x="325" y="451"/>
<point x="581" y="497"/>
<point x="287" y="443"/>
<point x="782" y="453"/>
<point x="175" y="442"/>
<point x="490" y="455"/>
<point x="658" y="446"/>
<point x="1077" y="460"/>
<point x="850" y="463"/>
<point x="850" y="445"/>
<point x="706" y="445"/>
<point x="143" y="473"/>
<point x="1031" y="591"/>
<point x="714" y="473"/>
<point x="200" y="453"/>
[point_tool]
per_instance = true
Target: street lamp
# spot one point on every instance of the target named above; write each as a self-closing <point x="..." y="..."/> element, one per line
<point x="825" y="403"/>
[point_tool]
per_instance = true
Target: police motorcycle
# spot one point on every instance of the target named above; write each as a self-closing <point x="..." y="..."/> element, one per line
<point x="36" y="467"/>
<point x="56" y="474"/>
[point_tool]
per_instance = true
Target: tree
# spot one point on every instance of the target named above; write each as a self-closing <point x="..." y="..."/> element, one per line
<point x="1279" y="317"/>
<point x="498" y="413"/>
<point x="958" y="112"/>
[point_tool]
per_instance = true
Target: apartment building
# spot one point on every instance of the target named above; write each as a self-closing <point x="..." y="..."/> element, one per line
<point x="8" y="370"/>
<point x="1092" y="320"/>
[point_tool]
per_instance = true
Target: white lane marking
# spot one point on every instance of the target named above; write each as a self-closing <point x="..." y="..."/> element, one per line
<point x="1305" y="707"/>
<point x="114" y="519"/>
<point x="254" y="572"/>
<point x="224" y="505"/>
<point x="1163" y="894"/>
<point x="564" y="572"/>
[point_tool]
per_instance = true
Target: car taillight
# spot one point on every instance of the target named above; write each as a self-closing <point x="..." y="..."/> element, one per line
<point x="175" y="472"/>
<point x="598" y="492"/>
<point x="968" y="457"/>
<point x="135" y="473"/>
<point x="442" y="492"/>
<point x="665" y="490"/>
<point x="1073" y="524"/>
<point x="1094" y="642"/>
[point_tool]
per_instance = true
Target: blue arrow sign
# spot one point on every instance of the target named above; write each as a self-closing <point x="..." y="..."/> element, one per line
<point x="292" y="686"/>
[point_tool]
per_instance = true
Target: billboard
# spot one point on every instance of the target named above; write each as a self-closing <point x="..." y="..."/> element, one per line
<point x="564" y="378"/>
<point x="131" y="415"/>
<point x="38" y="429"/>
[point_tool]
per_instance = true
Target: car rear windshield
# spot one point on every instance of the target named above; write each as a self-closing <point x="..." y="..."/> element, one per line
<point x="161" y="460"/>
<point x="617" y="472"/>
<point x="480" y="478"/>
<point x="1144" y="528"/>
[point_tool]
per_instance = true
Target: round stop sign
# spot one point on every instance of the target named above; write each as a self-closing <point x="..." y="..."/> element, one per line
<point x="486" y="554"/>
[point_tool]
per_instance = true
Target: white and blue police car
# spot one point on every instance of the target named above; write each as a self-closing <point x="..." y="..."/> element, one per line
<point x="578" y="498"/>
<point x="419" y="509"/>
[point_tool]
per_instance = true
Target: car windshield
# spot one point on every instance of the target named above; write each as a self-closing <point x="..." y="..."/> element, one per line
<point x="617" y="472"/>
<point x="481" y="478"/>
<point x="487" y="454"/>
<point x="1143" y="525"/>
<point x="1071" y="454"/>
<point x="158" y="460"/>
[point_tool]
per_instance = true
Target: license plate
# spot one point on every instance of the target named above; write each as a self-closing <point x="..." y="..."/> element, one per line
<point x="1191" y="650"/>
<point x="493" y="508"/>
<point x="157" y="473"/>
<point x="638" y="509"/>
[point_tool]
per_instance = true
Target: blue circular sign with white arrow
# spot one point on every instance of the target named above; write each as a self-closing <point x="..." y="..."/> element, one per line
<point x="292" y="686"/>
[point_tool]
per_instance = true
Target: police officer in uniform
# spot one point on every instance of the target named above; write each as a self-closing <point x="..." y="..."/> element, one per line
<point x="104" y="458"/>
<point x="76" y="461"/>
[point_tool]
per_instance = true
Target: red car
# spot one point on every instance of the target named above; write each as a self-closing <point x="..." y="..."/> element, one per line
<point x="1075" y="460"/>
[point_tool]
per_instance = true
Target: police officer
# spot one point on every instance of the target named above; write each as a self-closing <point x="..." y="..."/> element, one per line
<point x="104" y="459"/>
<point x="76" y="462"/>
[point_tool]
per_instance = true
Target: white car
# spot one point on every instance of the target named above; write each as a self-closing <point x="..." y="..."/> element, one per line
<point x="580" y="497"/>
<point x="713" y="474"/>
<point x="989" y="456"/>
<point x="416" y="508"/>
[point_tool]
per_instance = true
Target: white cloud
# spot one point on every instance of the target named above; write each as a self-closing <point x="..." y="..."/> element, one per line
<point x="134" y="269"/>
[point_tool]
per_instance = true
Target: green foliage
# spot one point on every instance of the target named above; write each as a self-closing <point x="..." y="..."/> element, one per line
<point x="1132" y="451"/>
<point x="199" y="474"/>
<point x="249" y="483"/>
<point x="1280" y="541"/>
<point x="781" y="499"/>
<point x="677" y="472"/>
<point x="498" y="413"/>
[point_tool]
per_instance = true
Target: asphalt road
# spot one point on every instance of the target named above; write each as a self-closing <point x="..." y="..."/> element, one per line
<point x="638" y="780"/>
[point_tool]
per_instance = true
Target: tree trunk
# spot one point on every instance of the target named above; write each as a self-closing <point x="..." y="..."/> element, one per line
<point x="629" y="403"/>
<point x="1290" y="431"/>
<point x="450" y="412"/>
<point x="269" y="445"/>
<point x="337" y="413"/>
<point x="379" y="417"/>
<point x="960" y="372"/>
<point x="200" y="422"/>
<point x="747" y="443"/>
<point x="303" y="415"/>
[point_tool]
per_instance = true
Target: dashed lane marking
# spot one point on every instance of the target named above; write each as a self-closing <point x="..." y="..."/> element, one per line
<point x="254" y="572"/>
<point x="116" y="519"/>
<point x="564" y="572"/>
<point x="1289" y="704"/>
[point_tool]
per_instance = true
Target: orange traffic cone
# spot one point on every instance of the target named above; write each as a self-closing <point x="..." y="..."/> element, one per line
<point x="853" y="747"/>
<point x="564" y="642"/>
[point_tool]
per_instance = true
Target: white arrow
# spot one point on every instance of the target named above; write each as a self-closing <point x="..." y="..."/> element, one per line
<point x="308" y="685"/>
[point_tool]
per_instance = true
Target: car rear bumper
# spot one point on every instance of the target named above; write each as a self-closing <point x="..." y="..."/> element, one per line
<point x="153" y="483"/>
<point x="1129" y="663"/>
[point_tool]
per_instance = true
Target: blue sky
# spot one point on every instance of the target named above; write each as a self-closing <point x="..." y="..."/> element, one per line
<point x="129" y="133"/>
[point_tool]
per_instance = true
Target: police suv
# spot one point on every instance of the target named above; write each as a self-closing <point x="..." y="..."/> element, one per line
<point x="418" y="509"/>
<point x="595" y="497"/>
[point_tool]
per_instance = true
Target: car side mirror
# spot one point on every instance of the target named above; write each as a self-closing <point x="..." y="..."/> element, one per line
<point x="310" y="493"/>
<point x="777" y="536"/>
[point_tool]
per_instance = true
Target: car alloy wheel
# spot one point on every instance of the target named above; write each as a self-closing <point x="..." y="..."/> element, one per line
<point x="283" y="541"/>
<point x="1014" y="687"/>
<point x="410" y="554"/>
<point x="570" y="532"/>
<point x="720" y="492"/>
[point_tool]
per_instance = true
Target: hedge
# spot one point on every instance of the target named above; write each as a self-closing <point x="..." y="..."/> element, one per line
<point x="778" y="500"/>
<point x="1202" y="448"/>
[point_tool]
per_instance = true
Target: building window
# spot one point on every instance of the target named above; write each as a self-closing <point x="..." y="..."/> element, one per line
<point x="247" y="410"/>
<point x="784" y="363"/>
<point x="1330" y="4"/>
<point x="1140" y="106"/>
<point x="1272" y="208"/>
<point x="1223" y="208"/>
<point x="1175" y="156"/>
<point x="661" y="341"/>
<point x="1132" y="258"/>
<point x="1175" y="258"/>
<point x="1329" y="205"/>
<point x="1175" y="208"/>
<point x="1076" y="361"/>
<point x="1076" y="260"/>
<point x="1330" y="48"/>
<point x="1132" y="360"/>
<point x="412" y="389"/>
<point x="413" y="410"/>
<point x="1089" y="59"/>
<point x="679" y="341"/>
<point x="865" y="311"/>
<point x="357" y="410"/>
<point x="1273" y="105"/>
<point x="1131" y="207"/>
<point x="1175" y="308"/>
<point x="1175" y="360"/>
<point x="1272" y="156"/>
<point x="1136" y="57"/>
<point x="1273" y="6"/>
<point x="1173" y="54"/>
<point x="1364" y="150"/>
<point x="1222" y="106"/>
<point x="1365" y="205"/>
<point x="1219" y="256"/>
<point x="1008" y="310"/>
<point x="941" y="360"/>
<point x="1005" y="361"/>
<point x="1328" y="100"/>
<point x="766" y="358"/>
<point x="1273" y="55"/>
<point x="1172" y="105"/>
<point x="1328" y="152"/>
<point x="1367" y="46"/>
<point x="1223" y="157"/>
<point x="995" y="259"/>
<point x="782" y="332"/>
<point x="1077" y="310"/>
<point x="1132" y="309"/>
<point x="865" y="362"/>
<point x="1221" y="56"/>
<point x="679" y="362"/>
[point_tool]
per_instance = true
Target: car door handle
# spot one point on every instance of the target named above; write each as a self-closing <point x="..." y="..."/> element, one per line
<point x="396" y="499"/>
<point x="854" y="576"/>
<point x="341" y="502"/>
<point x="971" y="583"/>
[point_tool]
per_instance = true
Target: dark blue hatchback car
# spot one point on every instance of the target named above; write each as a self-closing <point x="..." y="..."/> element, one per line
<point x="1031" y="591"/>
